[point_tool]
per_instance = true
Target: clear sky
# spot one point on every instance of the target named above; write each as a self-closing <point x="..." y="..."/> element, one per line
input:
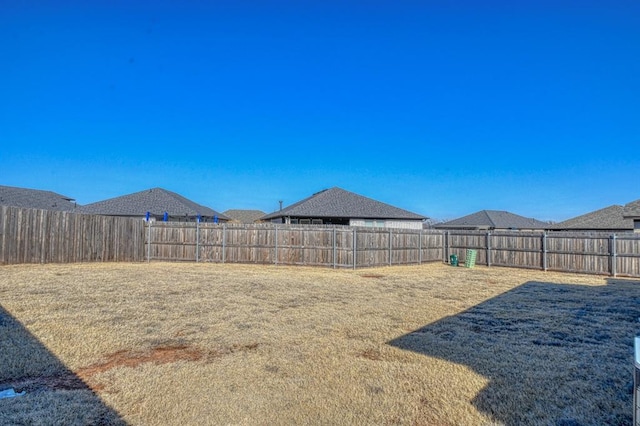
<point x="442" y="108"/>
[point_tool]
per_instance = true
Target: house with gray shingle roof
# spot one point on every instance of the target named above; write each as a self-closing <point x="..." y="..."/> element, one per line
<point x="158" y="203"/>
<point x="244" y="216"/>
<point x="608" y="219"/>
<point x="35" y="199"/>
<point x="493" y="220"/>
<point x="631" y="211"/>
<point x="335" y="206"/>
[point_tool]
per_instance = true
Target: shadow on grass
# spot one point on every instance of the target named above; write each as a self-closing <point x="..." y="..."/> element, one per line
<point x="53" y="393"/>
<point x="554" y="354"/>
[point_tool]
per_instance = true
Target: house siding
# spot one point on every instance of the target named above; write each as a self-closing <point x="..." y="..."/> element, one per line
<point x="388" y="223"/>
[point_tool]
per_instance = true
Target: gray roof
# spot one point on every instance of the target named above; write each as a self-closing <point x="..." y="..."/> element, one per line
<point x="632" y="210"/>
<point x="337" y="202"/>
<point x="35" y="199"/>
<point x="493" y="219"/>
<point x="155" y="201"/>
<point x="608" y="218"/>
<point x="244" y="216"/>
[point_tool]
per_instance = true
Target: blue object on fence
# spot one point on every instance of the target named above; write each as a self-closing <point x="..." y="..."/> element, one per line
<point x="199" y="219"/>
<point x="166" y="217"/>
<point x="215" y="219"/>
<point x="148" y="216"/>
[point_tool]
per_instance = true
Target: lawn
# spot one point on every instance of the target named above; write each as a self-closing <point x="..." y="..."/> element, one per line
<point x="192" y="344"/>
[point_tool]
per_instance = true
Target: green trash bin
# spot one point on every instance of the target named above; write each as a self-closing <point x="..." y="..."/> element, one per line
<point x="453" y="260"/>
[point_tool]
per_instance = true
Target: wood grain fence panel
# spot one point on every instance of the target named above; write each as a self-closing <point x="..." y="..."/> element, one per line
<point x="372" y="248"/>
<point x="405" y="248"/>
<point x="43" y="236"/>
<point x="578" y="262"/>
<point x="3" y="232"/>
<point x="432" y="246"/>
<point x="344" y="248"/>
<point x="318" y="247"/>
<point x="517" y="249"/>
<point x="627" y="251"/>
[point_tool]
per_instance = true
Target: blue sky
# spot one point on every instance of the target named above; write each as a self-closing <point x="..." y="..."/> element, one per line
<point x="441" y="108"/>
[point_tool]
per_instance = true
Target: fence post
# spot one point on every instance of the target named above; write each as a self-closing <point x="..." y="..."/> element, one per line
<point x="224" y="241"/>
<point x="390" y="237"/>
<point x="149" y="242"/>
<point x="302" y="249"/>
<point x="197" y="241"/>
<point x="420" y="247"/>
<point x="613" y="268"/>
<point x="446" y="246"/>
<point x="355" y="256"/>
<point x="276" y="246"/>
<point x="488" y="244"/>
<point x="334" y="247"/>
<point x="544" y="251"/>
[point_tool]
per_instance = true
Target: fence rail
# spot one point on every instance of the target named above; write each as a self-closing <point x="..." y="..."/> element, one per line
<point x="40" y="236"/>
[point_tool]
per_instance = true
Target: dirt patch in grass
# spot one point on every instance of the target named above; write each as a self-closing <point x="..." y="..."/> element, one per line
<point x="371" y="354"/>
<point x="160" y="355"/>
<point x="83" y="377"/>
<point x="372" y="276"/>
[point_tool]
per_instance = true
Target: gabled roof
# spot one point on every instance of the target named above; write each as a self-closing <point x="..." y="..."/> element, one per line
<point x="35" y="199"/>
<point x="608" y="218"/>
<point x="155" y="201"/>
<point x="493" y="219"/>
<point x="244" y="216"/>
<point x="632" y="210"/>
<point x="337" y="202"/>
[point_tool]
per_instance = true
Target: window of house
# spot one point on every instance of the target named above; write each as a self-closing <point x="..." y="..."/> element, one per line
<point x="375" y="223"/>
<point x="305" y="221"/>
<point x="316" y="221"/>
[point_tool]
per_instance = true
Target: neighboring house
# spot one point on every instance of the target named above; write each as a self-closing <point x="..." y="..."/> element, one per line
<point x="336" y="206"/>
<point x="159" y="203"/>
<point x="608" y="219"/>
<point x="490" y="220"/>
<point x="632" y="212"/>
<point x="35" y="199"/>
<point x="244" y="216"/>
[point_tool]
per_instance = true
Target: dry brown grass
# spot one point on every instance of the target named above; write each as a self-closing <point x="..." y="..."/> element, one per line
<point x="160" y="343"/>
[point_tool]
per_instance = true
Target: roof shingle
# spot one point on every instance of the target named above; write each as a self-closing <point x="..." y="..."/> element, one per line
<point x="155" y="201"/>
<point x="606" y="219"/>
<point x="35" y="199"/>
<point x="244" y="216"/>
<point x="632" y="210"/>
<point x="493" y="219"/>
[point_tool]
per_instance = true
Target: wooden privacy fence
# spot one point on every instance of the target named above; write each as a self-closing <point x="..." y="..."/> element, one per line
<point x="590" y="253"/>
<point x="336" y="246"/>
<point x="44" y="236"/>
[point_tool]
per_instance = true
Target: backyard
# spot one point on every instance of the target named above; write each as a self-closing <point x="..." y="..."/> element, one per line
<point x="185" y="343"/>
